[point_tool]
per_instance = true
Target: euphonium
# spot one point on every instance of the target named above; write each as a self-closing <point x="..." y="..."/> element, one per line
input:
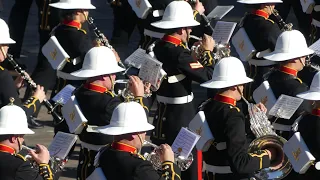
<point x="267" y="138"/>
<point x="55" y="164"/>
<point x="154" y="158"/>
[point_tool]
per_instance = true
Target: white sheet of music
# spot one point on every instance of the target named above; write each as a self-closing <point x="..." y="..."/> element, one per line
<point x="61" y="144"/>
<point x="137" y="58"/>
<point x="150" y="70"/>
<point x="223" y="31"/>
<point x="185" y="142"/>
<point x="219" y="12"/>
<point x="285" y="106"/>
<point x="316" y="47"/>
<point x="64" y="95"/>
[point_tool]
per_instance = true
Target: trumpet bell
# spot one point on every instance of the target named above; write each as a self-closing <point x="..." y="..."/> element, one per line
<point x="276" y="142"/>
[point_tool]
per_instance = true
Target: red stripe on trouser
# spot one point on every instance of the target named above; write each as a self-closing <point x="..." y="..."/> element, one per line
<point x="199" y="154"/>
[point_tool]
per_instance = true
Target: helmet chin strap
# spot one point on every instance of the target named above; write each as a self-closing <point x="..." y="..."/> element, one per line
<point x="141" y="142"/>
<point x="84" y="14"/>
<point x="19" y="144"/>
<point x="112" y="83"/>
<point x="303" y="64"/>
<point x="2" y="51"/>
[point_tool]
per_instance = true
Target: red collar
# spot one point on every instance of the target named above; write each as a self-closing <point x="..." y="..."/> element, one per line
<point x="261" y="13"/>
<point x="6" y="149"/>
<point x="316" y="112"/>
<point x="288" y="70"/>
<point x="171" y="39"/>
<point x="124" y="147"/>
<point x="95" y="87"/>
<point x="72" y="23"/>
<point x="225" y="99"/>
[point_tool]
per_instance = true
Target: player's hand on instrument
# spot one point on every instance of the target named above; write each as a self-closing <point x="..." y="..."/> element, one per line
<point x="41" y="156"/>
<point x="136" y="86"/>
<point x="262" y="107"/>
<point x="208" y="43"/>
<point x="166" y="153"/>
<point x="39" y="93"/>
<point x="19" y="81"/>
<point x="199" y="7"/>
<point x="147" y="87"/>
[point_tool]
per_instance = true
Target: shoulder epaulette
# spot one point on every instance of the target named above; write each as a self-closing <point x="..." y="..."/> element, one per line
<point x="270" y="21"/>
<point x="21" y="157"/>
<point x="139" y="156"/>
<point x="234" y="107"/>
<point x="84" y="31"/>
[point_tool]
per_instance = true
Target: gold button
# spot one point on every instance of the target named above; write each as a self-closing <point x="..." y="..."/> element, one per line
<point x="163" y="135"/>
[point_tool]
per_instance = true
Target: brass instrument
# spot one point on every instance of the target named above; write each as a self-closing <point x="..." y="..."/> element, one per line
<point x="220" y="50"/>
<point x="126" y="93"/>
<point x="283" y="25"/>
<point x="51" y="109"/>
<point x="55" y="164"/>
<point x="310" y="64"/>
<point x="267" y="138"/>
<point x="154" y="158"/>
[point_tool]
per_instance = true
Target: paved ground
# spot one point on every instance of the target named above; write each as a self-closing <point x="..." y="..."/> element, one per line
<point x="103" y="18"/>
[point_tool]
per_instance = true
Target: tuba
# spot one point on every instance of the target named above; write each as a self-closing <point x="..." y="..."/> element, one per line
<point x="267" y="138"/>
<point x="154" y="158"/>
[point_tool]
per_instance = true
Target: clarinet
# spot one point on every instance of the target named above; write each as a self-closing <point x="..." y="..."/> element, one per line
<point x="102" y="38"/>
<point x="283" y="25"/>
<point x="19" y="70"/>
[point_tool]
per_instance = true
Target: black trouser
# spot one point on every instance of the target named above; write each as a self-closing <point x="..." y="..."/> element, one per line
<point x="304" y="20"/>
<point x="86" y="163"/>
<point x="125" y="20"/>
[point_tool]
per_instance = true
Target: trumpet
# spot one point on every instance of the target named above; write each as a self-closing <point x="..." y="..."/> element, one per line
<point x="125" y="92"/>
<point x="220" y="50"/>
<point x="51" y="109"/>
<point x="283" y="25"/>
<point x="267" y="138"/>
<point x="55" y="163"/>
<point x="310" y="64"/>
<point x="154" y="158"/>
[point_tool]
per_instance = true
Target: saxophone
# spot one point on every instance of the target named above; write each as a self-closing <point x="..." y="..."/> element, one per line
<point x="265" y="138"/>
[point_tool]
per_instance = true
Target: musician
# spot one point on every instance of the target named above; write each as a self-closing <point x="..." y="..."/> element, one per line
<point x="13" y="127"/>
<point x="175" y="105"/>
<point x="290" y="52"/>
<point x="151" y="33"/>
<point x="228" y="157"/>
<point x="309" y="125"/>
<point x="75" y="41"/>
<point x="121" y="159"/>
<point x="263" y="34"/>
<point x="308" y="73"/>
<point x="97" y="102"/>
<point x="8" y="87"/>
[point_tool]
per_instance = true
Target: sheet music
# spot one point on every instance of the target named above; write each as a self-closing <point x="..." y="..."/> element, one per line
<point x="61" y="144"/>
<point x="316" y="47"/>
<point x="150" y="71"/>
<point x="137" y="58"/>
<point x="185" y="142"/>
<point x="223" y="31"/>
<point x="219" y="12"/>
<point x="285" y="106"/>
<point x="64" y="95"/>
